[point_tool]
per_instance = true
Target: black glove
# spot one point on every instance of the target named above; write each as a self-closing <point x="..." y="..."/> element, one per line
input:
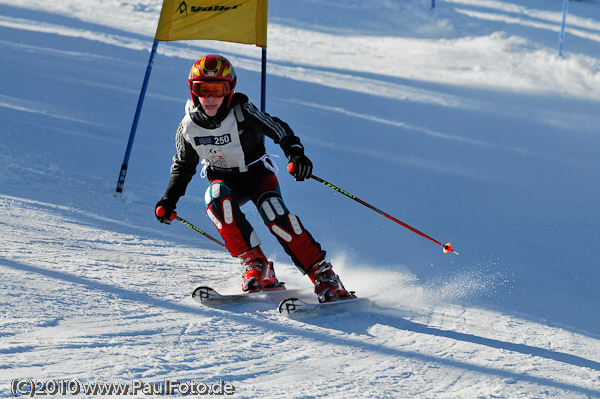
<point x="299" y="166"/>
<point x="165" y="210"/>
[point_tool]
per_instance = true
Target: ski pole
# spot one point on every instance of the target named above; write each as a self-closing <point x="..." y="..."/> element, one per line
<point x="160" y="212"/>
<point x="191" y="226"/>
<point x="446" y="248"/>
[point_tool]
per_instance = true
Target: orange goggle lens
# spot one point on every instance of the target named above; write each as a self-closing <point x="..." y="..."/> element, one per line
<point x="204" y="89"/>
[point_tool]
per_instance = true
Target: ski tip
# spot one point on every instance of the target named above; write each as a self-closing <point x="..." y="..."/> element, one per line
<point x="296" y="308"/>
<point x="289" y="306"/>
<point x="202" y="293"/>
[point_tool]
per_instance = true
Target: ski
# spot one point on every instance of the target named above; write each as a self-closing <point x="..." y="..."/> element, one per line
<point x="207" y="295"/>
<point x="294" y="307"/>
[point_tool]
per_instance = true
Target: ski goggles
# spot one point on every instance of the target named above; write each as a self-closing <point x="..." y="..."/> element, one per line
<point x="204" y="89"/>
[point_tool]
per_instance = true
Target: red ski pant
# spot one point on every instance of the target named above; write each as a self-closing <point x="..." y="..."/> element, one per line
<point x="225" y="196"/>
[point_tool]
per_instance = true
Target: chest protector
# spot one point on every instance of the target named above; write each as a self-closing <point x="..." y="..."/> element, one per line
<point x="220" y="148"/>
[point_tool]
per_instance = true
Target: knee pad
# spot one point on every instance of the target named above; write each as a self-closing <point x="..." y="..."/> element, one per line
<point x="279" y="219"/>
<point x="272" y="209"/>
<point x="216" y="191"/>
<point x="295" y="240"/>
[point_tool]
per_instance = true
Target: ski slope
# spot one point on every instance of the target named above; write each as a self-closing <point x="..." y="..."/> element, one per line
<point x="461" y="121"/>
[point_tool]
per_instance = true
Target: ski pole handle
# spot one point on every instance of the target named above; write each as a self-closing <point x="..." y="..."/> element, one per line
<point x="160" y="212"/>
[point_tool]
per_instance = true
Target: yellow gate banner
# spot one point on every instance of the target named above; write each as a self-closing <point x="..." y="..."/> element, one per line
<point x="240" y="21"/>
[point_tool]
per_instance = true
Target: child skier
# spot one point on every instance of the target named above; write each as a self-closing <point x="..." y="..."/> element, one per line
<point x="226" y="131"/>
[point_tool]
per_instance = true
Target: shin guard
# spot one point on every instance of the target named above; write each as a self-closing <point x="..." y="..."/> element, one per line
<point x="225" y="213"/>
<point x="287" y="228"/>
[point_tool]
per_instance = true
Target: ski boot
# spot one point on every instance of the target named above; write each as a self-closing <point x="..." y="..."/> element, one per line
<point x="328" y="286"/>
<point x="259" y="273"/>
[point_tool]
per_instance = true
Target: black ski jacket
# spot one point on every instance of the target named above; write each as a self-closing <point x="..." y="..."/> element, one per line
<point x="226" y="145"/>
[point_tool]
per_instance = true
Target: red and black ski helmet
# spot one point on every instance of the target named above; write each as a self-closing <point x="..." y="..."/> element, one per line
<point x="212" y="67"/>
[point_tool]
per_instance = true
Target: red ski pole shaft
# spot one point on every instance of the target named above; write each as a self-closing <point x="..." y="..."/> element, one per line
<point x="447" y="247"/>
<point x="188" y="224"/>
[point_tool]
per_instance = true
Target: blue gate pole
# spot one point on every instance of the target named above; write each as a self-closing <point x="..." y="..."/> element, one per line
<point x="263" y="79"/>
<point x="123" y="173"/>
<point x="561" y="35"/>
<point x="432" y="4"/>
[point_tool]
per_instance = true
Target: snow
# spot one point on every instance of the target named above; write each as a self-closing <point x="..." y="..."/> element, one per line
<point x="461" y="121"/>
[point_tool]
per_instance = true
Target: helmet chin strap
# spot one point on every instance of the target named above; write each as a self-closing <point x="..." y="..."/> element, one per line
<point x="230" y="99"/>
<point x="195" y="99"/>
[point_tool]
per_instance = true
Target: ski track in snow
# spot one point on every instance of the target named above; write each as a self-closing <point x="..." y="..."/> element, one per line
<point x="93" y="290"/>
<point x="111" y="297"/>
